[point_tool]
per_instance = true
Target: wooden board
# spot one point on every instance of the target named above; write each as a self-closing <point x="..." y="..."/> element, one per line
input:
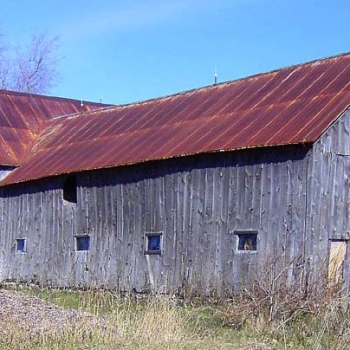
<point x="336" y="261"/>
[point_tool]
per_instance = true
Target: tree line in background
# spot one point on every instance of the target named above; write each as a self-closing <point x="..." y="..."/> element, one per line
<point x="31" y="68"/>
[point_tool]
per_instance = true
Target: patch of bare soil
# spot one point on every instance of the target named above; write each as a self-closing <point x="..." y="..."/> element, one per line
<point x="31" y="315"/>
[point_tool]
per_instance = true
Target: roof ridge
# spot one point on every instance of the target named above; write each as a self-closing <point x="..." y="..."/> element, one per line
<point x="48" y="97"/>
<point x="227" y="82"/>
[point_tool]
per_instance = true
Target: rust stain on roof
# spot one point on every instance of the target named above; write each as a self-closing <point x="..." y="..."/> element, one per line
<point x="23" y="116"/>
<point x="287" y="106"/>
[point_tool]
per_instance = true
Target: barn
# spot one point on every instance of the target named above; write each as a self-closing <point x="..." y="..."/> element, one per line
<point x="204" y="191"/>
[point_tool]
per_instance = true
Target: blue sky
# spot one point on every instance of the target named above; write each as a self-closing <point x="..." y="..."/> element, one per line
<point x="127" y="51"/>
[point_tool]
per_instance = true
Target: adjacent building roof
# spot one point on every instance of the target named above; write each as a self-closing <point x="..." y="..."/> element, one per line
<point x="284" y="107"/>
<point x="22" y="118"/>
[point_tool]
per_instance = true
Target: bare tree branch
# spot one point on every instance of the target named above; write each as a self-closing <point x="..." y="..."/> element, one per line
<point x="4" y="62"/>
<point x="30" y="69"/>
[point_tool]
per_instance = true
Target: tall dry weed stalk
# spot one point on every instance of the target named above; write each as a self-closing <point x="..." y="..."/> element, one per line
<point x="273" y="299"/>
<point x="333" y="325"/>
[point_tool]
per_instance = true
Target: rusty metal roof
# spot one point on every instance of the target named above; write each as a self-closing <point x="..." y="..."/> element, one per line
<point x="287" y="106"/>
<point x="22" y="117"/>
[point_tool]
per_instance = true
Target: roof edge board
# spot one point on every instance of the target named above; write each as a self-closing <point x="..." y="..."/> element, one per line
<point x="304" y="143"/>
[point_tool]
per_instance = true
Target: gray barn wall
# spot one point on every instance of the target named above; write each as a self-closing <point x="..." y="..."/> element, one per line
<point x="328" y="198"/>
<point x="196" y="202"/>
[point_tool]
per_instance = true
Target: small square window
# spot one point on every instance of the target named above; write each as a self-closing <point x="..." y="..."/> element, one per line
<point x="247" y="240"/>
<point x="82" y="243"/>
<point x="153" y="243"/>
<point x="21" y="245"/>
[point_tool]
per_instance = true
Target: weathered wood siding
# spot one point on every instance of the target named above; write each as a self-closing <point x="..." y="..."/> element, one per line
<point x="328" y="196"/>
<point x="196" y="202"/>
<point x="296" y="198"/>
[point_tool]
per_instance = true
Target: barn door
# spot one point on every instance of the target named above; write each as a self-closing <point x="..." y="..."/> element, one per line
<point x="336" y="264"/>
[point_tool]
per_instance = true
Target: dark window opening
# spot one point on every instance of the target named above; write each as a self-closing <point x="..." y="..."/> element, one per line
<point x="82" y="243"/>
<point x="247" y="240"/>
<point x="154" y="243"/>
<point x="21" y="245"/>
<point x="70" y="189"/>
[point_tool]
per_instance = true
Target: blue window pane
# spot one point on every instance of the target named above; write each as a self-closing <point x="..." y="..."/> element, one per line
<point x="83" y="243"/>
<point x="21" y="245"/>
<point x="154" y="242"/>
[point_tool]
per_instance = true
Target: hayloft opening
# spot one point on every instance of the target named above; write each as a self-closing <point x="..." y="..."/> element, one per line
<point x="70" y="189"/>
<point x="247" y="240"/>
<point x="82" y="243"/>
<point x="154" y="243"/>
<point x="21" y="245"/>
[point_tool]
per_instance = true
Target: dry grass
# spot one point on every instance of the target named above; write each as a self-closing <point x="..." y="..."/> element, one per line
<point x="103" y="320"/>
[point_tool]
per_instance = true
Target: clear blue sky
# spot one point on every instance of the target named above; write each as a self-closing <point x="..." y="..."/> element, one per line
<point x="127" y="51"/>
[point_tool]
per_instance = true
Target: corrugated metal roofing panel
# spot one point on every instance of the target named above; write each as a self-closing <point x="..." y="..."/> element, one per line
<point x="287" y="106"/>
<point x="22" y="116"/>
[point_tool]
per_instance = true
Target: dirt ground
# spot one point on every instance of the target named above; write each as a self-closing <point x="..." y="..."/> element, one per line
<point x="33" y="315"/>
